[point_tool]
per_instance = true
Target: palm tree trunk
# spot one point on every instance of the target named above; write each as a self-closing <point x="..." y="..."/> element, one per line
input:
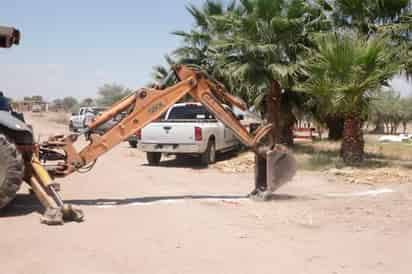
<point x="380" y="126"/>
<point x="273" y="111"/>
<point x="335" y="124"/>
<point x="353" y="144"/>
<point x="287" y="124"/>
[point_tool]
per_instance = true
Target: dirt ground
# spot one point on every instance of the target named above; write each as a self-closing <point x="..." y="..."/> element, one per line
<point x="179" y="218"/>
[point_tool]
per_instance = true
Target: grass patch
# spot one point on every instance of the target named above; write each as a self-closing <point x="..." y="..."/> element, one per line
<point x="316" y="162"/>
<point x="322" y="155"/>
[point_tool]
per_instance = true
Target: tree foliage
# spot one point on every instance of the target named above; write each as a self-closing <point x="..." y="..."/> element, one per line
<point x="69" y="103"/>
<point x="392" y="110"/>
<point x="344" y="74"/>
<point x="109" y="94"/>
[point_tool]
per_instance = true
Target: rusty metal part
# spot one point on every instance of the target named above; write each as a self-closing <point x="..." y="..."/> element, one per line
<point x="72" y="159"/>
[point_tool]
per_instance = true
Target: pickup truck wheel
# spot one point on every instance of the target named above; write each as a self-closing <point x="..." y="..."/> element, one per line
<point x="209" y="157"/>
<point x="153" y="158"/>
<point x="11" y="171"/>
<point x="133" y="144"/>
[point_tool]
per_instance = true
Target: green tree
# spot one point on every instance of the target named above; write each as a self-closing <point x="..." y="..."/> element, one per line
<point x="88" y="102"/>
<point x="196" y="48"/>
<point x="260" y="49"/>
<point x="347" y="69"/>
<point x="69" y="103"/>
<point x="109" y="94"/>
<point x="366" y="18"/>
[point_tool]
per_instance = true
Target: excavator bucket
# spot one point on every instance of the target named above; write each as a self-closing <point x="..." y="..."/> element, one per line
<point x="274" y="167"/>
<point x="281" y="167"/>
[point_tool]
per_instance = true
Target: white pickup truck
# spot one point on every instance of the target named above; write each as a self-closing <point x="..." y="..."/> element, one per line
<point x="78" y="120"/>
<point x="187" y="128"/>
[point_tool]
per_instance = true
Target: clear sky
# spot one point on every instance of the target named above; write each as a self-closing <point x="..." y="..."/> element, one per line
<point x="73" y="47"/>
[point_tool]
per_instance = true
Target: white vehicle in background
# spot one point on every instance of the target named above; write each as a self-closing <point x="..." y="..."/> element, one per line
<point x="395" y="138"/>
<point x="79" y="121"/>
<point x="36" y="109"/>
<point x="188" y="129"/>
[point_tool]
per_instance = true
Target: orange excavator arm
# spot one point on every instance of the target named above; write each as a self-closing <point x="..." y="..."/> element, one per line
<point x="144" y="107"/>
<point x="274" y="165"/>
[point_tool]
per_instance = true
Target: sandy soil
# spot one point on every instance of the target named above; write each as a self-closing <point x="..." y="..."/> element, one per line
<point x="178" y="218"/>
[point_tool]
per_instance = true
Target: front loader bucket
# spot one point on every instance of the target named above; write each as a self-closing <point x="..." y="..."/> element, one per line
<point x="273" y="168"/>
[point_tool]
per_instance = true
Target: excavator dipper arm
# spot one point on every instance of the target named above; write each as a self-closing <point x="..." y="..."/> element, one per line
<point x="145" y="106"/>
<point x="142" y="107"/>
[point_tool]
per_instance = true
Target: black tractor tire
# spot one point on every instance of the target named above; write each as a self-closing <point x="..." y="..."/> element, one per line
<point x="209" y="156"/>
<point x="11" y="171"/>
<point x="153" y="158"/>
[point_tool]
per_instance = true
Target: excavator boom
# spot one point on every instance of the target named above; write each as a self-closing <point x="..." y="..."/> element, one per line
<point x="143" y="107"/>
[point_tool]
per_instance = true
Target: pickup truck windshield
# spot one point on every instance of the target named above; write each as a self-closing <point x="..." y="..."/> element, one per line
<point x="189" y="112"/>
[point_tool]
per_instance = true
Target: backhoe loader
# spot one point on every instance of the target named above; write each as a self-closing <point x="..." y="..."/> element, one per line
<point x="58" y="157"/>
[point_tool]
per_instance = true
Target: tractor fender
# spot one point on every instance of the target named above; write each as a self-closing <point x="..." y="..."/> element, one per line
<point x="17" y="130"/>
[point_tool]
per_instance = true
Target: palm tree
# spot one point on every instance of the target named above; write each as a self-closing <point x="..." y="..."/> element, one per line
<point x="347" y="69"/>
<point x="368" y="16"/>
<point x="160" y="73"/>
<point x="196" y="42"/>
<point x="261" y="46"/>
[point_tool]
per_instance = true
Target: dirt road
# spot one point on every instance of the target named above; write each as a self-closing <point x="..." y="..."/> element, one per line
<point x="180" y="219"/>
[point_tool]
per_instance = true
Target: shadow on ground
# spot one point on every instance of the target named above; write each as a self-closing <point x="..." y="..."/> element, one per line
<point x="193" y="162"/>
<point x="24" y="204"/>
<point x="154" y="199"/>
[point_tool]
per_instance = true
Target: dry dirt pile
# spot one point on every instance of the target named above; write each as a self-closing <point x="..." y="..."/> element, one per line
<point x="244" y="162"/>
<point x="385" y="175"/>
<point x="373" y="175"/>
